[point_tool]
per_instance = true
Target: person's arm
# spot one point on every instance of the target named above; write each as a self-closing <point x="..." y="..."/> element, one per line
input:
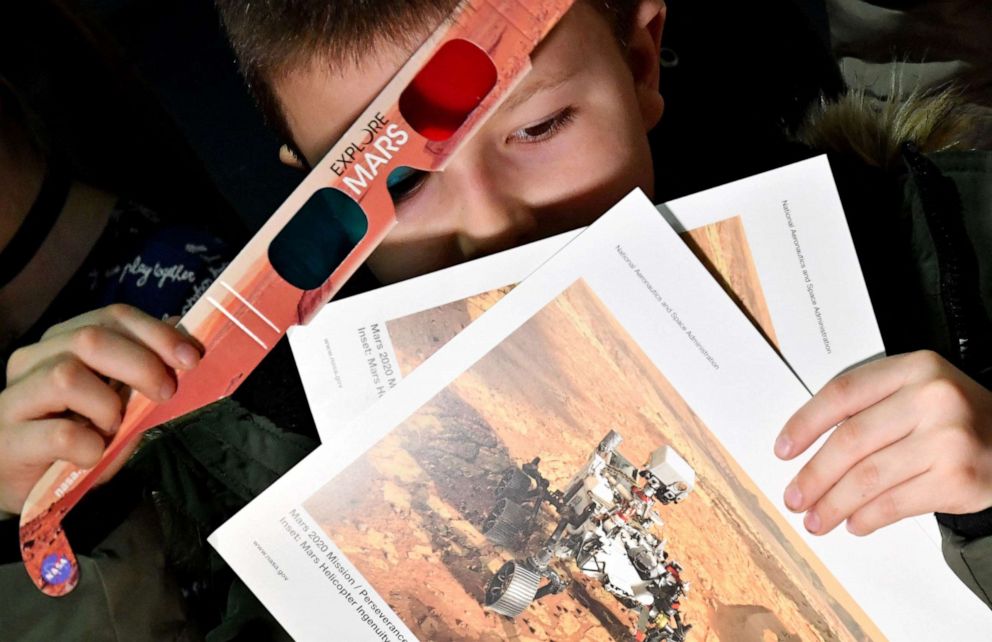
<point x="62" y="399"/>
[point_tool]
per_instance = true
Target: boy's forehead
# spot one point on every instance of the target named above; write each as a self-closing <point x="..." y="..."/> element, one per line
<point x="320" y="101"/>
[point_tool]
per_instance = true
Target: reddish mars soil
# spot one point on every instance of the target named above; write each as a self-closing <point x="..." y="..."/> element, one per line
<point x="416" y="337"/>
<point x="722" y="248"/>
<point x="408" y="513"/>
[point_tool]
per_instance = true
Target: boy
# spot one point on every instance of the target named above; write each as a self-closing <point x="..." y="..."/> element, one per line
<point x="567" y="144"/>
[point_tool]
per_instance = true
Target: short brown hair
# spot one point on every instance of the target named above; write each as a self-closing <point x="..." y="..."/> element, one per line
<point x="270" y="37"/>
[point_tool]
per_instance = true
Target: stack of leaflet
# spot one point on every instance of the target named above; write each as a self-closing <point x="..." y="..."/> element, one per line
<point x="572" y="440"/>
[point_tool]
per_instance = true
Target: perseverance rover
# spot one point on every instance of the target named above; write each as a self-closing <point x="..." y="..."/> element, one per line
<point x="605" y="519"/>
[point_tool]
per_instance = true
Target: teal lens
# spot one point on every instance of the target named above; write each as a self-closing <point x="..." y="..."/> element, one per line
<point x="318" y="239"/>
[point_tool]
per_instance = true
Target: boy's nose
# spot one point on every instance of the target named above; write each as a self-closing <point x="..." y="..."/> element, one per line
<point x="493" y="227"/>
<point x="491" y="216"/>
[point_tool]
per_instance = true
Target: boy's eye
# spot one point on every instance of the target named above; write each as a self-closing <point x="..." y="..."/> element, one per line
<point x="404" y="182"/>
<point x="542" y="131"/>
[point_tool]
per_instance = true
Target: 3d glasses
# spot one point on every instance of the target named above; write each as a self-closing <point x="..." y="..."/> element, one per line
<point x="317" y="239"/>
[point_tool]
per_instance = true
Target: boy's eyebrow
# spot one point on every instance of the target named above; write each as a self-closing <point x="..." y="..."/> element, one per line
<point x="527" y="90"/>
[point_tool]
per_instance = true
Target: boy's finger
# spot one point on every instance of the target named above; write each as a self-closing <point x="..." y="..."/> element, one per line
<point x="852" y="441"/>
<point x="868" y="480"/>
<point x="65" y="384"/>
<point x="845" y="396"/>
<point x="173" y="347"/>
<point x="109" y="354"/>
<point x="109" y="316"/>
<point x="41" y="442"/>
<point x="915" y="496"/>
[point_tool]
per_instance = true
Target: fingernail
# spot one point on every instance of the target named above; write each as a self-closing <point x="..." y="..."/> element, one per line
<point x="793" y="496"/>
<point x="783" y="447"/>
<point x="167" y="390"/>
<point x="187" y="355"/>
<point x="812" y="522"/>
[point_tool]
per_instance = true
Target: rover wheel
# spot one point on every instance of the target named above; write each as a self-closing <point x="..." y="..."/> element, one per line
<point x="657" y="635"/>
<point x="610" y="442"/>
<point x="668" y="634"/>
<point x="654" y="635"/>
<point x="513" y="484"/>
<point x="512" y="589"/>
<point x="507" y="524"/>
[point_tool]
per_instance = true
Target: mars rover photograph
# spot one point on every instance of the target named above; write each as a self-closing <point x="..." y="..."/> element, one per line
<point x="562" y="489"/>
<point x="607" y="526"/>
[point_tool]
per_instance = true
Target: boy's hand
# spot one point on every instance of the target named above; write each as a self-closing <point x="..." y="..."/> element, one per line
<point x="915" y="437"/>
<point x="62" y="399"/>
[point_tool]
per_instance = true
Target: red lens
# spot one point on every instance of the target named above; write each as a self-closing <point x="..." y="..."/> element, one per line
<point x="447" y="89"/>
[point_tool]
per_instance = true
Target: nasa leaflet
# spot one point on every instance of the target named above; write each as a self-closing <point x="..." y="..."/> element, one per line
<point x="778" y="242"/>
<point x="589" y="460"/>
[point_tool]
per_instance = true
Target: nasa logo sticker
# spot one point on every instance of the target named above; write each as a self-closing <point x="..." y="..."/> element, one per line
<point x="56" y="569"/>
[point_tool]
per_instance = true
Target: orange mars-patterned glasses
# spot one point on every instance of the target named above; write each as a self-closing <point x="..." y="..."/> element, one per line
<point x="440" y="97"/>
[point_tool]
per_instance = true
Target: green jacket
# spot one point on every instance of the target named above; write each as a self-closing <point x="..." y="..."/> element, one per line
<point x="924" y="238"/>
<point x="967" y="339"/>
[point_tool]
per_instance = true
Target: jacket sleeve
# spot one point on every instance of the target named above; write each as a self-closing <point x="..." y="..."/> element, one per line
<point x="971" y="561"/>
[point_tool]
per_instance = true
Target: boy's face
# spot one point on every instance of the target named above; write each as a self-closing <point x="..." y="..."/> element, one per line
<point x="566" y="145"/>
